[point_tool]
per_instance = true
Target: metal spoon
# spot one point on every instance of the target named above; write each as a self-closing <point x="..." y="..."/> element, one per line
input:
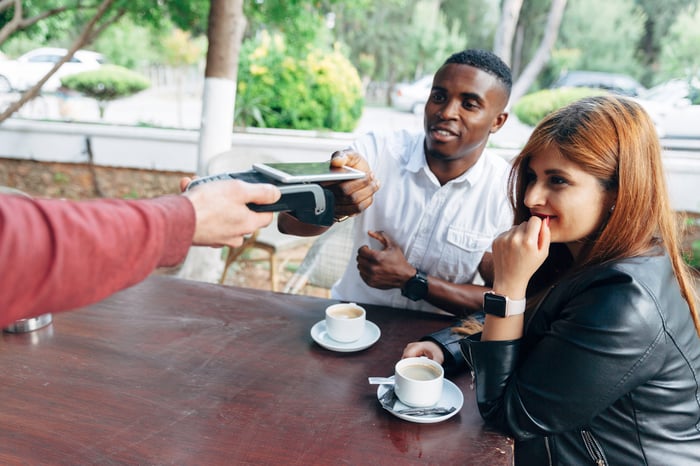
<point x="380" y="380"/>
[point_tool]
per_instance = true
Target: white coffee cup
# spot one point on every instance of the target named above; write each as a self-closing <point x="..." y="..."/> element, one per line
<point x="418" y="382"/>
<point x="345" y="322"/>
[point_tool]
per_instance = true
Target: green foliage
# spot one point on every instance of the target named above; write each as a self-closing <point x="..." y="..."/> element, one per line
<point x="321" y="90"/>
<point x="530" y="109"/>
<point x="587" y="44"/>
<point x="679" y="56"/>
<point x="476" y="19"/>
<point x="179" y="49"/>
<point x="403" y="39"/>
<point x="61" y="178"/>
<point x="61" y="29"/>
<point x="379" y="34"/>
<point x="128" y="44"/>
<point x="660" y="16"/>
<point x="431" y="40"/>
<point x="302" y="22"/>
<point x="692" y="257"/>
<point x="109" y="82"/>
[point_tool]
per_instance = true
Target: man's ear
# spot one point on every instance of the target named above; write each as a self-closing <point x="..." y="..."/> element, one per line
<point x="498" y="122"/>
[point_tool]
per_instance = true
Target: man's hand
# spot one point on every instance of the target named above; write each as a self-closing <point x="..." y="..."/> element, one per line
<point x="352" y="196"/>
<point x="384" y="268"/>
<point x="221" y="213"/>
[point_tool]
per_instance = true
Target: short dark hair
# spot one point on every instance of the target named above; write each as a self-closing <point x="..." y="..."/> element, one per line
<point x="485" y="61"/>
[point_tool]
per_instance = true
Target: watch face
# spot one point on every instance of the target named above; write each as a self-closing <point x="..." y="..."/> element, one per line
<point x="495" y="304"/>
<point x="416" y="288"/>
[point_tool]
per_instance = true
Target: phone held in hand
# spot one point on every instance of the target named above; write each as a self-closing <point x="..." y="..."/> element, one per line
<point x="307" y="172"/>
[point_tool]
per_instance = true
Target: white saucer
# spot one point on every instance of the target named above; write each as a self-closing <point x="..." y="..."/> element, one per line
<point x="451" y="396"/>
<point x="370" y="337"/>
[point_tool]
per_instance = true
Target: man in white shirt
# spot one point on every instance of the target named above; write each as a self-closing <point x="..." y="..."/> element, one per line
<point x="422" y="237"/>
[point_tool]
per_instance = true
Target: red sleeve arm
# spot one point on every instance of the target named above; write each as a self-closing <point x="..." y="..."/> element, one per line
<point x="58" y="255"/>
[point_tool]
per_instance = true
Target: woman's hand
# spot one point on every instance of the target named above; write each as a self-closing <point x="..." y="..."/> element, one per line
<point x="424" y="348"/>
<point x="517" y="254"/>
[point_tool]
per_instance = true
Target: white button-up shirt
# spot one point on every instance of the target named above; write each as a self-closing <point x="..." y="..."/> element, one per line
<point x="442" y="230"/>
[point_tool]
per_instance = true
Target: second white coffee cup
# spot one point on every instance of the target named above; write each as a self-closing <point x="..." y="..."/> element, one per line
<point x="345" y="322"/>
<point x="418" y="382"/>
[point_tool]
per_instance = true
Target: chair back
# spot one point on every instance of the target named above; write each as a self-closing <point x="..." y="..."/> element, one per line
<point x="326" y="259"/>
<point x="15" y="191"/>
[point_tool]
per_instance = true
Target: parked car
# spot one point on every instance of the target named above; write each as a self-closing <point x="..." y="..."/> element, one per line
<point x="411" y="97"/>
<point x="28" y="69"/>
<point x="675" y="107"/>
<point x="613" y="82"/>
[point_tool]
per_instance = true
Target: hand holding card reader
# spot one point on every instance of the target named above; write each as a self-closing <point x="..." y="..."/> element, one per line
<point x="307" y="201"/>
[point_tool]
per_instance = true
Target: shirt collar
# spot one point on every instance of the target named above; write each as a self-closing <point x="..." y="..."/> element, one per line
<point x="471" y="176"/>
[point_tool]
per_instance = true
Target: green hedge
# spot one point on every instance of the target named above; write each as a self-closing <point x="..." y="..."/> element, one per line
<point x="109" y="82"/>
<point x="530" y="109"/>
<point x="321" y="90"/>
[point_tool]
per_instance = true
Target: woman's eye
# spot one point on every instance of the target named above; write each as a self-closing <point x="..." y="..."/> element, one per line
<point x="557" y="180"/>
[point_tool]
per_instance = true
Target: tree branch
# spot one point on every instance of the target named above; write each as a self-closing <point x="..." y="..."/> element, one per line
<point x="529" y="74"/>
<point x="119" y="15"/>
<point x="18" y="22"/>
<point x="5" y="4"/>
<point x="26" y="22"/>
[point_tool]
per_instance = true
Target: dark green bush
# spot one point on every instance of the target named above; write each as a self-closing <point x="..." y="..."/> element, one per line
<point x="694" y="259"/>
<point x="109" y="82"/>
<point x="530" y="109"/>
<point x="321" y="90"/>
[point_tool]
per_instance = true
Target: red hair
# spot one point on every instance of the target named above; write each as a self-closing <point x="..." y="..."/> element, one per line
<point x="613" y="139"/>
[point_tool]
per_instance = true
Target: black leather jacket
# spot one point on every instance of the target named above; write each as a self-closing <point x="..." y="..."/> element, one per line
<point x="607" y="372"/>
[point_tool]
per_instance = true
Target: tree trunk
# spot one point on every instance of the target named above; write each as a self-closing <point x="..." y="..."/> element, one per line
<point x="533" y="68"/>
<point x="648" y="51"/>
<point x="225" y="34"/>
<point x="503" y="42"/>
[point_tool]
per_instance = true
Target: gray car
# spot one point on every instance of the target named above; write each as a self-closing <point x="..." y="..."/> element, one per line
<point x="613" y="82"/>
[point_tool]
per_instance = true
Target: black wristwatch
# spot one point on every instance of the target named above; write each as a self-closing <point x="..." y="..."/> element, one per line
<point x="502" y="306"/>
<point x="416" y="288"/>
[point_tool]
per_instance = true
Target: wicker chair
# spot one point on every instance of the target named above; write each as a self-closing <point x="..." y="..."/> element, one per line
<point x="270" y="240"/>
<point x="325" y="261"/>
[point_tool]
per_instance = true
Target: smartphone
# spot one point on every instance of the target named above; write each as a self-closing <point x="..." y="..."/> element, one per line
<point x="307" y="172"/>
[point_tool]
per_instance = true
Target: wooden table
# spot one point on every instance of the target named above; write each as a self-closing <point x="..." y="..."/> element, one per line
<point x="186" y="373"/>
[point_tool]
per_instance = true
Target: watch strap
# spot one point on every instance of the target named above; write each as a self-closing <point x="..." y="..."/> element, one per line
<point x="416" y="288"/>
<point x="502" y="306"/>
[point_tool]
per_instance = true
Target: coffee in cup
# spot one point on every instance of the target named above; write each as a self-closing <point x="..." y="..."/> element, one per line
<point x="345" y="322"/>
<point x="418" y="382"/>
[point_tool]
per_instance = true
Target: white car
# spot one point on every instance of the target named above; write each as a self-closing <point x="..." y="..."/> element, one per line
<point x="28" y="69"/>
<point x="411" y="97"/>
<point x="675" y="108"/>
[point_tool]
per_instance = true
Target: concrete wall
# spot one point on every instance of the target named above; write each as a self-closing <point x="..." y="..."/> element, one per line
<point x="153" y="148"/>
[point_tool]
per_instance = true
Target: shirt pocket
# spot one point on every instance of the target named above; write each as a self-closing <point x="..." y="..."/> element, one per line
<point x="462" y="254"/>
